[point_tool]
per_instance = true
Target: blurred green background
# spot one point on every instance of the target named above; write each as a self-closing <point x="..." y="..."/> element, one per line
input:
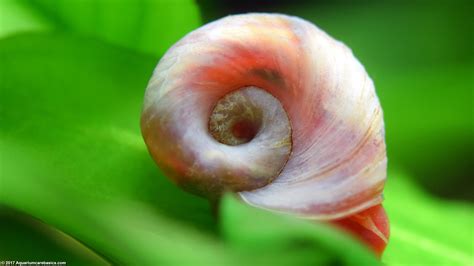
<point x="77" y="183"/>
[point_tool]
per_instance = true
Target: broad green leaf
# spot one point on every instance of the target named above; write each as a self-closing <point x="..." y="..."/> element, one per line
<point x="282" y="240"/>
<point x="76" y="104"/>
<point x="69" y="113"/>
<point x="123" y="231"/>
<point x="149" y="26"/>
<point x="426" y="230"/>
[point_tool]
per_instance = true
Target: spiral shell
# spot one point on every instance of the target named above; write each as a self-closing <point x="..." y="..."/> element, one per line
<point x="271" y="107"/>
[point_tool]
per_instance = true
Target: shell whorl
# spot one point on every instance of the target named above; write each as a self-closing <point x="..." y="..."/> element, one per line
<point x="316" y="147"/>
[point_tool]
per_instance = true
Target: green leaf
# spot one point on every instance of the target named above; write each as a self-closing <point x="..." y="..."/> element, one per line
<point x="69" y="112"/>
<point x="273" y="239"/>
<point x="123" y="231"/>
<point x="426" y="230"/>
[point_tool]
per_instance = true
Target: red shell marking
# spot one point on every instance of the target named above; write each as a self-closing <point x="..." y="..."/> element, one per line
<point x="370" y="226"/>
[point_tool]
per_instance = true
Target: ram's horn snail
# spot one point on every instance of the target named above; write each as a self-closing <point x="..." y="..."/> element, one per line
<point x="271" y="107"/>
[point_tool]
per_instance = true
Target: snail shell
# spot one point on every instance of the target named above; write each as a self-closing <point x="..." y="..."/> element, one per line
<point x="271" y="107"/>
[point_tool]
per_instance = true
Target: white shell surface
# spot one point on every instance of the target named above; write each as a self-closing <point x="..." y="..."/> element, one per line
<point x="337" y="164"/>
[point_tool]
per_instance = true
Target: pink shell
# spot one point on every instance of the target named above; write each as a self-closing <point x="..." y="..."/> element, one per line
<point x="337" y="164"/>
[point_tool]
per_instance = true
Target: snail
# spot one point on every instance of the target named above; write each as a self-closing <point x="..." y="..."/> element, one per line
<point x="274" y="109"/>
